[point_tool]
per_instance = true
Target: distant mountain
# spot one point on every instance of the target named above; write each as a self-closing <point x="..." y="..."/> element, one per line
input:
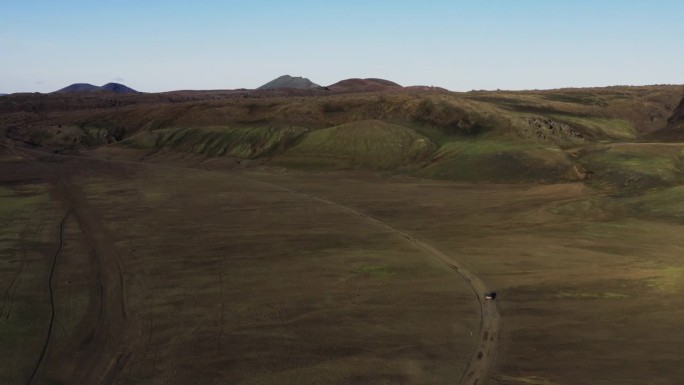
<point x="117" y="88"/>
<point x="287" y="81"/>
<point x="2" y="94"/>
<point x="78" y="87"/>
<point x="364" y="85"/>
<point x="85" y="87"/>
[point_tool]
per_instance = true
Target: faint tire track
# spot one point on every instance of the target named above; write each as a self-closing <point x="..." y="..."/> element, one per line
<point x="51" y="287"/>
<point x="105" y="352"/>
<point x="8" y="302"/>
<point x="104" y="344"/>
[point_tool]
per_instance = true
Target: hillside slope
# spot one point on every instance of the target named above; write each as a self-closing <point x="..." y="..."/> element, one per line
<point x="236" y="142"/>
<point x="476" y="136"/>
<point x="675" y="128"/>
<point x="370" y="144"/>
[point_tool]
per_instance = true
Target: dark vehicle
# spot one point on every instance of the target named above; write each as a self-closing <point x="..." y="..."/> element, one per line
<point x="490" y="295"/>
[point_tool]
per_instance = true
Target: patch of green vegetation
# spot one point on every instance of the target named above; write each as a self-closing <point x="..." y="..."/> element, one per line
<point x="94" y="136"/>
<point x="577" y="97"/>
<point x="498" y="161"/>
<point x="381" y="271"/>
<point x="633" y="168"/>
<point x="517" y="102"/>
<point x="76" y="310"/>
<point x="499" y="99"/>
<point x="590" y="295"/>
<point x="599" y="128"/>
<point x="239" y="142"/>
<point x="581" y="207"/>
<point x="366" y="144"/>
<point x="669" y="281"/>
<point x="666" y="203"/>
<point x="452" y="119"/>
<point x="17" y="205"/>
<point x="23" y="208"/>
<point x="604" y="229"/>
<point x="663" y="204"/>
<point x="21" y="335"/>
<point x="529" y="380"/>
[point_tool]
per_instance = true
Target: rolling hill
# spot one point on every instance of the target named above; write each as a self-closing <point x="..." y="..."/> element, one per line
<point x="492" y="136"/>
<point x="370" y="144"/>
<point x="364" y="85"/>
<point x="289" y="82"/>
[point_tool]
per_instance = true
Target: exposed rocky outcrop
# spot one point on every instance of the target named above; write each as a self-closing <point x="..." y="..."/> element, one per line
<point x="546" y="130"/>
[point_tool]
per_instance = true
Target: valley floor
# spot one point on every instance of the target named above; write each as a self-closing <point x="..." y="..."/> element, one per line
<point x="177" y="275"/>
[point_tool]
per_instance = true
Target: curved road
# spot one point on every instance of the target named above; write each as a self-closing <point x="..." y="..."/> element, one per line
<point x="477" y="372"/>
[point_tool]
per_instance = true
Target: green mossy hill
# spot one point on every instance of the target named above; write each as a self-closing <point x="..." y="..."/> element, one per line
<point x="501" y="162"/>
<point x="497" y="136"/>
<point x="239" y="142"/>
<point x="633" y="167"/>
<point x="599" y="128"/>
<point x="370" y="144"/>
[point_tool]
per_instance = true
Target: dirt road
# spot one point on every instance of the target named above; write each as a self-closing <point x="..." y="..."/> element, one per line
<point x="51" y="288"/>
<point x="105" y="353"/>
<point x="477" y="371"/>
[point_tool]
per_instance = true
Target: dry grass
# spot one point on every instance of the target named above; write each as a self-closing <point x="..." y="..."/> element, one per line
<point x="229" y="279"/>
<point x="586" y="297"/>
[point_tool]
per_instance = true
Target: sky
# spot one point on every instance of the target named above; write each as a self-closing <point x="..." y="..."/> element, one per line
<point x="155" y="45"/>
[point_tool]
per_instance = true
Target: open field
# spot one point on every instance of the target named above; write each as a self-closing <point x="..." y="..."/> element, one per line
<point x="587" y="295"/>
<point x="247" y="277"/>
<point x="219" y="279"/>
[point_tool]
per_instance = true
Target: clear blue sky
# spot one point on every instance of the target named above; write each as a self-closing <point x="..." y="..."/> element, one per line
<point x="155" y="45"/>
